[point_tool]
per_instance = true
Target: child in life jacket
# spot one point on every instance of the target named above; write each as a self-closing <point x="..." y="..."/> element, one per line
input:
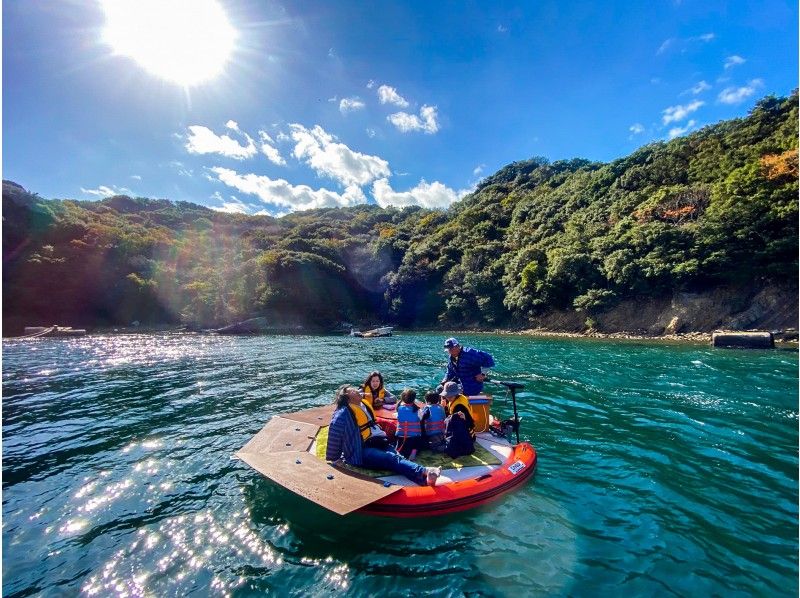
<point x="409" y="428"/>
<point x="433" y="416"/>
<point x="376" y="394"/>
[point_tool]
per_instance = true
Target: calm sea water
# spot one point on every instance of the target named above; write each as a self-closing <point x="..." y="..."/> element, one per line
<point x="663" y="470"/>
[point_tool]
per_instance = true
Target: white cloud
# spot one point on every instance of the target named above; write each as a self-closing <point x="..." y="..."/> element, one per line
<point x="202" y="140"/>
<point x="106" y="191"/>
<point x="350" y="105"/>
<point x="502" y="28"/>
<point x="235" y="206"/>
<point x="478" y="169"/>
<point x="181" y="168"/>
<point x="734" y="95"/>
<point x="281" y="193"/>
<point x="371" y="133"/>
<point x="696" y="89"/>
<point x="232" y="125"/>
<point x="136" y="177"/>
<point x="327" y="157"/>
<point x="674" y="132"/>
<point x="427" y="195"/>
<point x="370" y="84"/>
<point x="678" y="113"/>
<point x="389" y="95"/>
<point x="636" y="128"/>
<point x="732" y="61"/>
<point x="426" y="121"/>
<point x="269" y="150"/>
<point x="683" y="44"/>
<point x="231" y="208"/>
<point x="665" y="45"/>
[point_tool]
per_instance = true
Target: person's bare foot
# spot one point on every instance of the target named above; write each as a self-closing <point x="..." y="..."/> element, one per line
<point x="433" y="474"/>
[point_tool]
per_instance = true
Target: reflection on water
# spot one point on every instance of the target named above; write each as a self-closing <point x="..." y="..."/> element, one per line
<point x="662" y="469"/>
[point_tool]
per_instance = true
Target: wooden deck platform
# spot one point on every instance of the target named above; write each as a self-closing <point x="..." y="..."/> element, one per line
<point x="280" y="452"/>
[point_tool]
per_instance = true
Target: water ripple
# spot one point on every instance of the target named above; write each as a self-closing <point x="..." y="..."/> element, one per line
<point x="668" y="470"/>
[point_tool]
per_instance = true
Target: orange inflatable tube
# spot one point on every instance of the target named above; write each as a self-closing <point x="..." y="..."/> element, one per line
<point x="423" y="501"/>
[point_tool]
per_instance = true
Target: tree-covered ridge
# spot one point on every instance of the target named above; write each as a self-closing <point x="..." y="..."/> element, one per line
<point x="716" y="207"/>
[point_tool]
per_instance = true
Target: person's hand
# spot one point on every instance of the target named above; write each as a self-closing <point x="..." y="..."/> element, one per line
<point x="377" y="403"/>
<point x="461" y="415"/>
<point x="481" y="377"/>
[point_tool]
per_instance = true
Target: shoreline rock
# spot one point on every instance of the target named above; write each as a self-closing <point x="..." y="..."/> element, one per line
<point x="786" y="339"/>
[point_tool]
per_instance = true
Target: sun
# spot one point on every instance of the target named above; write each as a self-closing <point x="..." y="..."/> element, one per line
<point x="186" y="42"/>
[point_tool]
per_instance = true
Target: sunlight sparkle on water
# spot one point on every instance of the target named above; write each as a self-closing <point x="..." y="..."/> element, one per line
<point x="111" y="493"/>
<point x="114" y="352"/>
<point x="182" y="547"/>
<point x="73" y="526"/>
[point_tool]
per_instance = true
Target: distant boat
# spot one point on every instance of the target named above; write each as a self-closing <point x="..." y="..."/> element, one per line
<point x="51" y="331"/>
<point x="260" y="325"/>
<point x="375" y="332"/>
<point x="251" y="326"/>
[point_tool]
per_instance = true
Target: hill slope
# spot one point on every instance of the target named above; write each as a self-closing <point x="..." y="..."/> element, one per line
<point x="702" y="228"/>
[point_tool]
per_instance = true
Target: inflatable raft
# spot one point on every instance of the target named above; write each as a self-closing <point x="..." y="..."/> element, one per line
<point x="288" y="451"/>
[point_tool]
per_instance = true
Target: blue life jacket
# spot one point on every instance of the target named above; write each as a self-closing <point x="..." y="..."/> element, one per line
<point x="434" y="423"/>
<point x="407" y="421"/>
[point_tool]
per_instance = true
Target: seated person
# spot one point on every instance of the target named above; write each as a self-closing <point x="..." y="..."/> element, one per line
<point x="433" y="416"/>
<point x="409" y="428"/>
<point x="459" y="403"/>
<point x="355" y="437"/>
<point x="376" y="394"/>
<point x="458" y="441"/>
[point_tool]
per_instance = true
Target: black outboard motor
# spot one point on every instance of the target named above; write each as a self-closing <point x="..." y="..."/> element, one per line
<point x="509" y="425"/>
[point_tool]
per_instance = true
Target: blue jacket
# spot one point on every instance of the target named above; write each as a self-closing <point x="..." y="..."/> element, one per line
<point x="344" y="438"/>
<point x="470" y="362"/>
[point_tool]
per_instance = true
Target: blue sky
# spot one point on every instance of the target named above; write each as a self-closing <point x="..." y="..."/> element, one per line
<point x="318" y="104"/>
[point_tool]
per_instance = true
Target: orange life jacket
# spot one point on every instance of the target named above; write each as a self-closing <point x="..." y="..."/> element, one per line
<point x="363" y="421"/>
<point x="463" y="401"/>
<point x="368" y="394"/>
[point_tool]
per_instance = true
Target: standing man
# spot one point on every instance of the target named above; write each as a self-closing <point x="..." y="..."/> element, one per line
<point x="467" y="365"/>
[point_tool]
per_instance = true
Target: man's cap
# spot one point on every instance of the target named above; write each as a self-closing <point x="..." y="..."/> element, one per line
<point x="450" y="343"/>
<point x="451" y="389"/>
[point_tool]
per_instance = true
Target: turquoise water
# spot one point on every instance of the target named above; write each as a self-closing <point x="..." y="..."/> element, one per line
<point x="663" y="470"/>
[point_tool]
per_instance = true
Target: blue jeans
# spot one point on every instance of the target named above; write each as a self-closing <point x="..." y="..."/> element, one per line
<point x="392" y="460"/>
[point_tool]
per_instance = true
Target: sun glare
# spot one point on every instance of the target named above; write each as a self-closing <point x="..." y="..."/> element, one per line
<point x="187" y="42"/>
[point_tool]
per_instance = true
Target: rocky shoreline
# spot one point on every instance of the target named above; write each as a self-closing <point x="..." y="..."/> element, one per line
<point x="784" y="338"/>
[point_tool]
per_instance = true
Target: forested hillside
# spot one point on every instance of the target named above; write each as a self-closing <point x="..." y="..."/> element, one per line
<point x="715" y="209"/>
